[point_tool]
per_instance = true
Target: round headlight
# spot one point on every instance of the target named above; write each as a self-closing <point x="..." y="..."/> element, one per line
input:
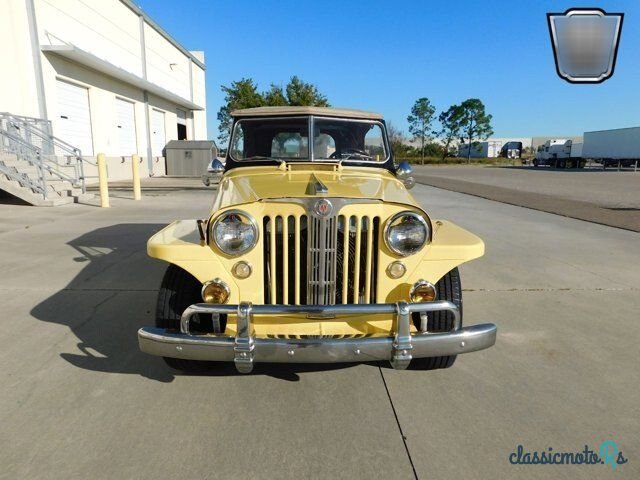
<point x="234" y="233"/>
<point x="406" y="233"/>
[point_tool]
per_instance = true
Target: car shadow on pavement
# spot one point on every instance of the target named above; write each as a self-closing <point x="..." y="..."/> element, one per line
<point x="282" y="371"/>
<point x="113" y="296"/>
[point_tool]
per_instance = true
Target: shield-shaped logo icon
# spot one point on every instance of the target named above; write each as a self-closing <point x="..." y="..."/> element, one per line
<point x="585" y="43"/>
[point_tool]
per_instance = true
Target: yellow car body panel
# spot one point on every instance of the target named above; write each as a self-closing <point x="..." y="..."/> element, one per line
<point x="252" y="184"/>
<point x="313" y="198"/>
<point x="276" y="191"/>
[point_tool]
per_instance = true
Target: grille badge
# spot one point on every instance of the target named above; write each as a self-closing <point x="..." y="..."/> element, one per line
<point x="323" y="208"/>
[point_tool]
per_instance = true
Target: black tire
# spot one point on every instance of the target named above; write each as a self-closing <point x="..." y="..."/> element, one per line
<point x="449" y="288"/>
<point x="179" y="289"/>
<point x="535" y="164"/>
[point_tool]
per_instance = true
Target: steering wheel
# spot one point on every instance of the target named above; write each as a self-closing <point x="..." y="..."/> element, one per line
<point x="347" y="153"/>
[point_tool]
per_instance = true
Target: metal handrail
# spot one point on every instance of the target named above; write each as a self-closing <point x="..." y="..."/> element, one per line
<point x="23" y="180"/>
<point x="37" y="153"/>
<point x="29" y="127"/>
<point x="54" y="143"/>
<point x="34" y="119"/>
<point x="60" y="143"/>
<point x="34" y="158"/>
<point x="33" y="155"/>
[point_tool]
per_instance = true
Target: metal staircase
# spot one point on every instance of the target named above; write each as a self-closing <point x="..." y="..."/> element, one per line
<point x="38" y="167"/>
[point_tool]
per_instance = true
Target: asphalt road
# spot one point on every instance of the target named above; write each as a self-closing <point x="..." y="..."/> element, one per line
<point x="79" y="401"/>
<point x="609" y="189"/>
<point x="606" y="197"/>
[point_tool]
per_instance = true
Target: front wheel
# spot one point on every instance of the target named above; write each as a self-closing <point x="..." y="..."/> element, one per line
<point x="179" y="290"/>
<point x="448" y="288"/>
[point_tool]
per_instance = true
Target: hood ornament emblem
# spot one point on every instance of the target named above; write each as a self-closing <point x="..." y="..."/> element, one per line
<point x="315" y="186"/>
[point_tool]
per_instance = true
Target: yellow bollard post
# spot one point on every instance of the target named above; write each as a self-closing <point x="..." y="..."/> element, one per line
<point x="102" y="178"/>
<point x="135" y="170"/>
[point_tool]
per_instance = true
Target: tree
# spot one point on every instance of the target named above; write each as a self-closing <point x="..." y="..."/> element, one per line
<point x="274" y="97"/>
<point x="241" y="94"/>
<point x="433" y="149"/>
<point x="244" y="94"/>
<point x="420" y="120"/>
<point x="475" y="123"/>
<point x="396" y="140"/>
<point x="451" y="127"/>
<point x="301" y="93"/>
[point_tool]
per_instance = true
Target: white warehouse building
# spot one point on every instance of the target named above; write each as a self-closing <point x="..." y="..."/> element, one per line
<point x="105" y="75"/>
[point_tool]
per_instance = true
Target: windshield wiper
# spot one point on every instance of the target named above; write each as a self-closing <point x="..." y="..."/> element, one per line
<point x="260" y="157"/>
<point x="356" y="156"/>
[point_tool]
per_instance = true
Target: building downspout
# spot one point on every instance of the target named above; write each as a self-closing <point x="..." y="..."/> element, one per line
<point x="147" y="119"/>
<point x="190" y="112"/>
<point x="147" y="113"/>
<point x="37" y="60"/>
<point x="191" y="80"/>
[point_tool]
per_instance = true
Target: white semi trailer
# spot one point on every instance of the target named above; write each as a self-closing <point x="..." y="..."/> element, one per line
<point x="559" y="153"/>
<point x="620" y="147"/>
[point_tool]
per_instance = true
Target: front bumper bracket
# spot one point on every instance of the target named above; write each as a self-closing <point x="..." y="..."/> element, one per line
<point x="246" y="348"/>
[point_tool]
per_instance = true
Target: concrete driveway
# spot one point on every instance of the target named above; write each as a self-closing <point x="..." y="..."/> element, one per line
<point x="79" y="401"/>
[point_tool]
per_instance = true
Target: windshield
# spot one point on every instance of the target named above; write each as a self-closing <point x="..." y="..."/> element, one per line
<point x="287" y="139"/>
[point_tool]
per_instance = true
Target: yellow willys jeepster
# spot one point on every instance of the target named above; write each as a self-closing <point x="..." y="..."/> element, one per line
<point x="314" y="251"/>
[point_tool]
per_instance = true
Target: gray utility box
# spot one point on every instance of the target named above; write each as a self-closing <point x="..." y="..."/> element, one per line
<point x="189" y="158"/>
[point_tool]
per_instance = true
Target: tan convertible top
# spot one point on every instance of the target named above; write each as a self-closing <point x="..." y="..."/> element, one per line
<point x="320" y="111"/>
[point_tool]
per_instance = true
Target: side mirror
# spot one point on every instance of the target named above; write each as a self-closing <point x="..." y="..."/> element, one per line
<point x="409" y="183"/>
<point x="404" y="170"/>
<point x="216" y="167"/>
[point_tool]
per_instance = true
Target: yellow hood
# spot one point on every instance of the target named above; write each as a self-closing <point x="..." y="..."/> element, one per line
<point x="251" y="184"/>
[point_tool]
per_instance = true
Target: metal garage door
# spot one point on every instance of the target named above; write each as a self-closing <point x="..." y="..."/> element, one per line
<point x="73" y="124"/>
<point x="182" y="124"/>
<point x="157" y="132"/>
<point x="126" y="142"/>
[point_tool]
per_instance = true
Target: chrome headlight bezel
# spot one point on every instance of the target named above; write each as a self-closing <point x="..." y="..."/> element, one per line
<point x="421" y="220"/>
<point x="249" y="220"/>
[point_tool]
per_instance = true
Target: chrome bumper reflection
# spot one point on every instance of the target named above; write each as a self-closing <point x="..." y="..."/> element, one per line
<point x="245" y="348"/>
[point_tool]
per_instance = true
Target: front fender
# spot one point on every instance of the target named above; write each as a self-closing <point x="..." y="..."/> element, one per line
<point x="451" y="247"/>
<point x="180" y="244"/>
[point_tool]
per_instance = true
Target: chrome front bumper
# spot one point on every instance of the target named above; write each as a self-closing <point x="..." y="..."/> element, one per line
<point x="245" y="348"/>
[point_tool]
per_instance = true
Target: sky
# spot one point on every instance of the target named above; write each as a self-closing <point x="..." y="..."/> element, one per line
<point x="383" y="55"/>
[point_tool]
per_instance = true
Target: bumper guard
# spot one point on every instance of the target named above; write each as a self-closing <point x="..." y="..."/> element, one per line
<point x="245" y="348"/>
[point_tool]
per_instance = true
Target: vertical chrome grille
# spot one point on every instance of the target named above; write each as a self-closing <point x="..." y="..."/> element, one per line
<point x="357" y="265"/>
<point x="320" y="261"/>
